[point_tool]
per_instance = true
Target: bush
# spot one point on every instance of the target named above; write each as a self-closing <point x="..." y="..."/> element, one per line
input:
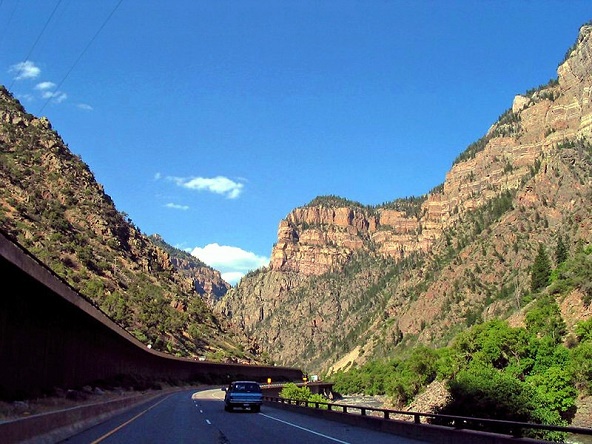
<point x="493" y="394"/>
<point x="293" y="392"/>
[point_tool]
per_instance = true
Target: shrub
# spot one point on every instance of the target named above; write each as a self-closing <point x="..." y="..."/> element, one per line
<point x="292" y="391"/>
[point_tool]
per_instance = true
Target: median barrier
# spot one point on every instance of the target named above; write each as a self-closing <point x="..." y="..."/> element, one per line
<point x="55" y="426"/>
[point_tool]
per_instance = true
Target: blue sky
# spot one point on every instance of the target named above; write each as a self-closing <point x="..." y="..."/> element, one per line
<point x="207" y="122"/>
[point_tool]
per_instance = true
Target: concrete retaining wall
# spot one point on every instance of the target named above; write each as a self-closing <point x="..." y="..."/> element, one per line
<point x="50" y="336"/>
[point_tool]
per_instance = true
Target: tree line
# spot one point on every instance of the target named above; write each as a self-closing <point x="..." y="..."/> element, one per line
<point x="493" y="370"/>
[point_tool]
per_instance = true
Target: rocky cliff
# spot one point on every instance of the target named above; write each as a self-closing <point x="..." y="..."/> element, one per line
<point x="348" y="278"/>
<point x="207" y="282"/>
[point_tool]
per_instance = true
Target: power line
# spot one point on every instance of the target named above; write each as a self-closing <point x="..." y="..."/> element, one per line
<point x="5" y="30"/>
<point x="36" y="41"/>
<point x="81" y="54"/>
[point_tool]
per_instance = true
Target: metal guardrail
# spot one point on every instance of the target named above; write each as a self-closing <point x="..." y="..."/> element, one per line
<point x="514" y="428"/>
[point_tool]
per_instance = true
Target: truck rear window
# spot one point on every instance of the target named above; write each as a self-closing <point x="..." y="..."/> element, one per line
<point x="249" y="388"/>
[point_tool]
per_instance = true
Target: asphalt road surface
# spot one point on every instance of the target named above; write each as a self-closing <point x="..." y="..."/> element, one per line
<point x="199" y="417"/>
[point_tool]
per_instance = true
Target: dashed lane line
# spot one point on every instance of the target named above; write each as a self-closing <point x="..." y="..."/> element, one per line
<point x="305" y="429"/>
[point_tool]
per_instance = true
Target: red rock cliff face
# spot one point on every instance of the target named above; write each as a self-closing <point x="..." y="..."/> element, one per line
<point x="314" y="240"/>
<point x="457" y="256"/>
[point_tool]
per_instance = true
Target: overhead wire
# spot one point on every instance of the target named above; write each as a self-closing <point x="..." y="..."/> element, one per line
<point x="5" y="29"/>
<point x="36" y="41"/>
<point x="81" y="54"/>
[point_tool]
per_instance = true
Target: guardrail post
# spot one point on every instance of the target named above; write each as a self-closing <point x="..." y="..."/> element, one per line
<point x="416" y="419"/>
<point x="363" y="411"/>
<point x="344" y="409"/>
<point x="386" y="414"/>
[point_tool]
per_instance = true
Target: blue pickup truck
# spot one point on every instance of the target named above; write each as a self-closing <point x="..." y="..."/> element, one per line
<point x="243" y="394"/>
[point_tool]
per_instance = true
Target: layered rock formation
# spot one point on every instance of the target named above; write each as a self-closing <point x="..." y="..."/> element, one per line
<point x="461" y="251"/>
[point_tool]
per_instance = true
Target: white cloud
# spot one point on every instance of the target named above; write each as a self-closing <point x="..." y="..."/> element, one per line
<point x="233" y="277"/>
<point x="25" y="70"/>
<point x="57" y="96"/>
<point x="218" y="185"/>
<point x="26" y="97"/>
<point x="177" y="206"/>
<point x="232" y="262"/>
<point x="85" y="107"/>
<point x="44" y="86"/>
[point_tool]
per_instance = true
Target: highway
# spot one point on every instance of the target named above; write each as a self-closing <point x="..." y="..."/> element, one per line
<point x="199" y="417"/>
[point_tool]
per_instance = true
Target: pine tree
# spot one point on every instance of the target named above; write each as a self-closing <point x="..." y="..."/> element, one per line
<point x="560" y="251"/>
<point x="541" y="271"/>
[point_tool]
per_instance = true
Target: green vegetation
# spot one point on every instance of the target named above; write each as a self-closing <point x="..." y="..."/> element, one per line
<point x="471" y="151"/>
<point x="541" y="271"/>
<point x="542" y="91"/>
<point x="333" y="201"/>
<point x="292" y="391"/>
<point x="527" y="374"/>
<point x="508" y="124"/>
<point x="411" y="206"/>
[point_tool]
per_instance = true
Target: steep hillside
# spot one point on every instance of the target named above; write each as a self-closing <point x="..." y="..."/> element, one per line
<point x="348" y="278"/>
<point x="51" y="204"/>
<point x="207" y="282"/>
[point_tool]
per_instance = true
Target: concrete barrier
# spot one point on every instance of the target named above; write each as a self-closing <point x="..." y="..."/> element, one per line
<point x="423" y="432"/>
<point x="55" y="426"/>
<point x="51" y="336"/>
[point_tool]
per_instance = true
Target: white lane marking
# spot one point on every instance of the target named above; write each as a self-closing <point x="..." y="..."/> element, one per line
<point x="305" y="429"/>
<point x="208" y="421"/>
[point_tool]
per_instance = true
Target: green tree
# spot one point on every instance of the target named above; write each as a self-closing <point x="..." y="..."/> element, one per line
<point x="560" y="251"/>
<point x="116" y="308"/>
<point x="485" y="392"/>
<point x="541" y="271"/>
<point x="493" y="344"/>
<point x="581" y="366"/>
<point x="544" y="319"/>
<point x="292" y="391"/>
<point x="556" y="390"/>
<point x="584" y="330"/>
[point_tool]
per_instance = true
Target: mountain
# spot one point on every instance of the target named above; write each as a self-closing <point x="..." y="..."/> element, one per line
<point x="349" y="282"/>
<point x="207" y="282"/>
<point x="51" y="204"/>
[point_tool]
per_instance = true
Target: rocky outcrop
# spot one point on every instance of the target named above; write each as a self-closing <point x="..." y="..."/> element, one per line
<point x="207" y="282"/>
<point x="461" y="251"/>
<point x="315" y="239"/>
